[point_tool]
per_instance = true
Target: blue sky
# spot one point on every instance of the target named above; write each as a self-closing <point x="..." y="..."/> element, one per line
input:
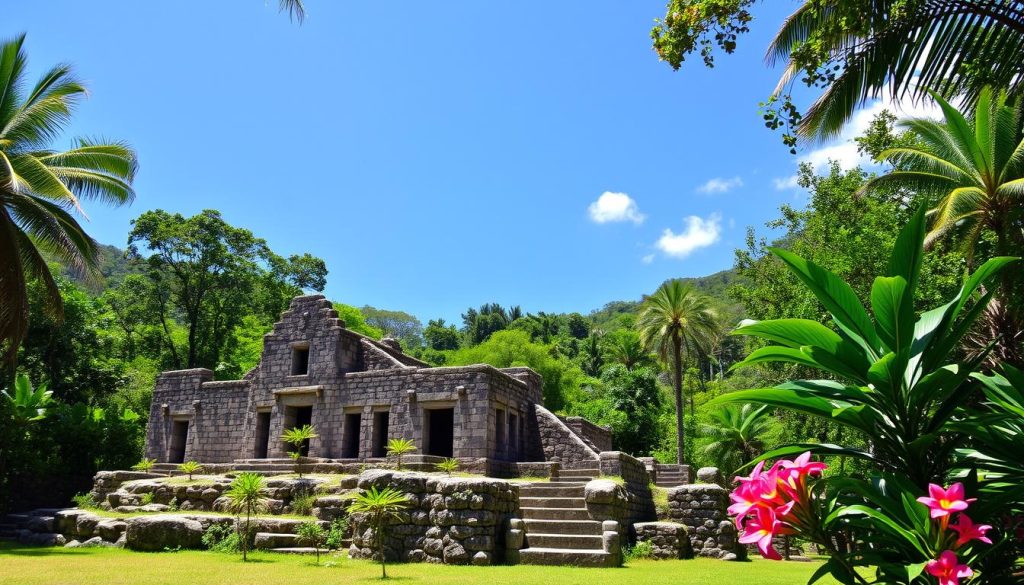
<point x="436" y="154"/>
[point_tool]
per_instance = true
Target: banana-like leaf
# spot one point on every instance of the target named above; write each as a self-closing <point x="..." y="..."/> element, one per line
<point x="907" y="254"/>
<point x="822" y="449"/>
<point x="880" y="521"/>
<point x="802" y="401"/>
<point x="893" y="313"/>
<point x="805" y="356"/>
<point x="838" y="298"/>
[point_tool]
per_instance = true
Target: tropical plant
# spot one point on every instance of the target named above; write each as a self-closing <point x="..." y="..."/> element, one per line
<point x="448" y="465"/>
<point x="302" y="502"/>
<point x="189" y="468"/>
<point x="296" y="9"/>
<point x="337" y="533"/>
<point x="975" y="167"/>
<point x="737" y="435"/>
<point x="379" y="506"/>
<point x="245" y="496"/>
<point x="299" y="438"/>
<point x="860" y="50"/>
<point x="312" y="534"/>
<point x="677" y="322"/>
<point x="399" y="447"/>
<point x="28" y="404"/>
<point x="144" y="465"/>
<point x="40" y="188"/>
<point x="894" y="378"/>
<point x="625" y="347"/>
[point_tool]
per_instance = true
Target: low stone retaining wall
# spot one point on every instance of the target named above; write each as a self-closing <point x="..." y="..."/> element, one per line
<point x="702" y="508"/>
<point x="633" y="501"/>
<point x="668" y="540"/>
<point x="448" y="520"/>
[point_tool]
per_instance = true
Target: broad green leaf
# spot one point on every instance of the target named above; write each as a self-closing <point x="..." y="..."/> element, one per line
<point x="801" y="401"/>
<point x="908" y="251"/>
<point x="881" y="521"/>
<point x="822" y="449"/>
<point x="838" y="298"/>
<point x="776" y="353"/>
<point x="894" y="311"/>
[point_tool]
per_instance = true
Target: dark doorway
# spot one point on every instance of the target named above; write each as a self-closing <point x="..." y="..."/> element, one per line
<point x="179" y="440"/>
<point x="380" y="434"/>
<point x="262" y="435"/>
<point x="499" y="433"/>
<point x="513" y="437"/>
<point x="295" y="417"/>
<point x="440" y="431"/>
<point x="350" y="438"/>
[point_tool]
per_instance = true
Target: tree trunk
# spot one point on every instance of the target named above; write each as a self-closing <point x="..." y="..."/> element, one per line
<point x="677" y="363"/>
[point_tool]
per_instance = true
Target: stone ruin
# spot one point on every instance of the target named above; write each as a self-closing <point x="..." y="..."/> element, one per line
<point x="358" y="393"/>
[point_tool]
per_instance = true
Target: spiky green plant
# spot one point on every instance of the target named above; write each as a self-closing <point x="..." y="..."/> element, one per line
<point x="245" y="496"/>
<point x="189" y="468"/>
<point x="297" y="437"/>
<point x="737" y="435"/>
<point x="41" y="189"/>
<point x="677" y="322"/>
<point x="399" y="447"/>
<point x="28" y="404"/>
<point x="144" y="465"/>
<point x="379" y="506"/>
<point x="449" y="465"/>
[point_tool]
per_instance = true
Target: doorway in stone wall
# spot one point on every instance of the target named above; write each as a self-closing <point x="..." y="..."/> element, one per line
<point x="439" y="431"/>
<point x="295" y="417"/>
<point x="179" y="440"/>
<point x="262" y="435"/>
<point x="380" y="433"/>
<point x="350" y="435"/>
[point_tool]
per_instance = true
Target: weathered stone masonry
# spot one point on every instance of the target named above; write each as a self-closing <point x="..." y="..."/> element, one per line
<point x="358" y="393"/>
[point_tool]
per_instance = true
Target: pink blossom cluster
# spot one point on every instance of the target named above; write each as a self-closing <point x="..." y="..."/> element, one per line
<point x="943" y="504"/>
<point x="770" y="503"/>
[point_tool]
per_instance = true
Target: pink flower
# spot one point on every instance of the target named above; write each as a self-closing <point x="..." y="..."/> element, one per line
<point x="760" y="529"/>
<point x="947" y="569"/>
<point x="969" y="531"/>
<point x="945" y="502"/>
<point x="804" y="466"/>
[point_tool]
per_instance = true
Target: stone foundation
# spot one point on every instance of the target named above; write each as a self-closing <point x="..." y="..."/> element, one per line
<point x="702" y="509"/>
<point x="669" y="540"/>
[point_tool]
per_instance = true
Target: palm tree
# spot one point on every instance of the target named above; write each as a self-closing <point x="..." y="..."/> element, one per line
<point x="299" y="438"/>
<point x="626" y="348"/>
<point x="40" y="188"/>
<point x="295" y="8"/>
<point x="245" y="495"/>
<point x="379" y="505"/>
<point x="975" y="166"/>
<point x="676" y="322"/>
<point x="737" y="435"/>
<point x="592" y="354"/>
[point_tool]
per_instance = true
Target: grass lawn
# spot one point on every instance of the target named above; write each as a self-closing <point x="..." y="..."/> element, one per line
<point x="58" y="566"/>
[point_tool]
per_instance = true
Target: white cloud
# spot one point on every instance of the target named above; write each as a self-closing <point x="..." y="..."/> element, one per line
<point x="615" y="207"/>
<point x="720" y="185"/>
<point x="648" y="259"/>
<point x="844" y="149"/>
<point x="786" y="184"/>
<point x="699" y="233"/>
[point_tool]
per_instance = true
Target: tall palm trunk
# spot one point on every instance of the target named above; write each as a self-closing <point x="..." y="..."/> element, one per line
<point x="677" y="364"/>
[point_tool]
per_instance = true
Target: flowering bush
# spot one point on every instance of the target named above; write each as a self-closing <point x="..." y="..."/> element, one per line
<point x="783" y="500"/>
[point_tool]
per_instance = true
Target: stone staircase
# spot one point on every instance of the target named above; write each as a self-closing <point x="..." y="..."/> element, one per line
<point x="670" y="475"/>
<point x="559" y="530"/>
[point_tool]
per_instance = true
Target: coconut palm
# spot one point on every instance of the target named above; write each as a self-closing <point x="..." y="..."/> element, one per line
<point x="974" y="165"/>
<point x="625" y="347"/>
<point x="737" y="435"/>
<point x="42" y="189"/>
<point x="677" y="322"/>
<point x="295" y="8"/>
<point x="245" y="496"/>
<point x="379" y="506"/>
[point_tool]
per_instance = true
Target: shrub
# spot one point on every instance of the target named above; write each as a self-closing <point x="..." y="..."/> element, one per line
<point x="449" y="465"/>
<point x="85" y="501"/>
<point x="298" y="437"/>
<point x="640" y="550"/>
<point x="147" y="499"/>
<point x="399" y="447"/>
<point x="312" y="534"/>
<point x="189" y="468"/>
<point x="144" y="465"/>
<point x="221" y="538"/>
<point x="302" y="502"/>
<point x="379" y="506"/>
<point x="337" y="533"/>
<point x="246" y="497"/>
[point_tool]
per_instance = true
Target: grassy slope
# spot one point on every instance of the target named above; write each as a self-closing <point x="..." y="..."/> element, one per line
<point x="50" y="566"/>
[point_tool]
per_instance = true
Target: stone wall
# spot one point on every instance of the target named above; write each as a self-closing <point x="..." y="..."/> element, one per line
<point x="668" y="540"/>
<point x="638" y="502"/>
<point x="559" y="442"/>
<point x="596" y="437"/>
<point x="448" y="520"/>
<point x="702" y="508"/>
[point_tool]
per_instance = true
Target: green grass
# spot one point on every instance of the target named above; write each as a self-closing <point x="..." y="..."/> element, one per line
<point x="58" y="566"/>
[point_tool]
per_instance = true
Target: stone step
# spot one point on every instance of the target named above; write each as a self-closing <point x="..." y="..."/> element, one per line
<point x="555" y="514"/>
<point x="275" y="540"/>
<point x="551" y="491"/>
<point x="566" y="541"/>
<point x="560" y="526"/>
<point x="582" y="480"/>
<point x="553" y="502"/>
<point x="570" y="557"/>
<point x="580" y="472"/>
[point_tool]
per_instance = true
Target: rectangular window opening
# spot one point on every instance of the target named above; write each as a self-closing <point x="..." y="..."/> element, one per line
<point x="300" y="361"/>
